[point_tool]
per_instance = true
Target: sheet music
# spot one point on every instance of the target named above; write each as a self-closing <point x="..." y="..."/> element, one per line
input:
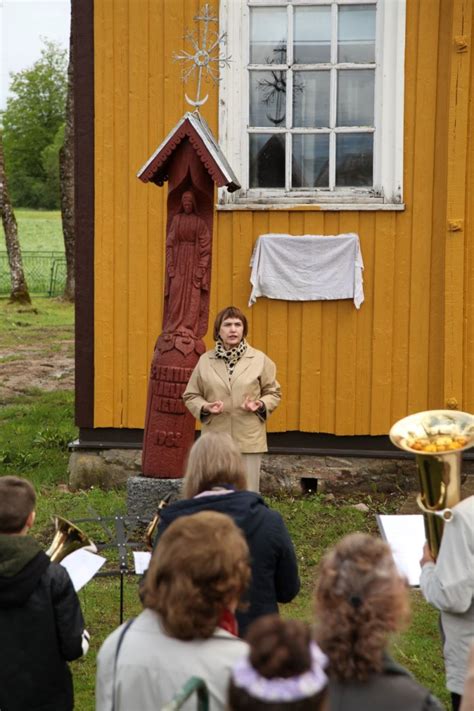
<point x="82" y="565"/>
<point x="406" y="536"/>
<point x="141" y="560"/>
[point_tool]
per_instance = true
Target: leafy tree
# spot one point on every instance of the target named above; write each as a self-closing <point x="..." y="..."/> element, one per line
<point x="50" y="159"/>
<point x="34" y="113"/>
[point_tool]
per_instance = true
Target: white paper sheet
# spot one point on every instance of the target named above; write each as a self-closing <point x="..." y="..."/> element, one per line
<point x="82" y="565"/>
<point x="142" y="561"/>
<point x="406" y="536"/>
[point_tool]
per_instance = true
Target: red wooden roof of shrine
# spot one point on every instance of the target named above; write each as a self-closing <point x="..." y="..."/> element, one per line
<point x="193" y="127"/>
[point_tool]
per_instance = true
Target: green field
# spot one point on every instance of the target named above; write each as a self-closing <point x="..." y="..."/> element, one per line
<point x="42" y="247"/>
<point x="38" y="231"/>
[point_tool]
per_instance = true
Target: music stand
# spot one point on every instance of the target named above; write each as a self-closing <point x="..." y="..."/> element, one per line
<point x="117" y="528"/>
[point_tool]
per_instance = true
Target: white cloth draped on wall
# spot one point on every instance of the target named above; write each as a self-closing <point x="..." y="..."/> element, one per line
<point x="307" y="268"/>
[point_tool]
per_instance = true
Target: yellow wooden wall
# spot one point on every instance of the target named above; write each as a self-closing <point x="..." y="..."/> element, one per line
<point x="343" y="371"/>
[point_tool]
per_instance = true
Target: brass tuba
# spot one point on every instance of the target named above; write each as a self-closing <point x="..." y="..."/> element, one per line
<point x="67" y="539"/>
<point x="153" y="525"/>
<point x="437" y="438"/>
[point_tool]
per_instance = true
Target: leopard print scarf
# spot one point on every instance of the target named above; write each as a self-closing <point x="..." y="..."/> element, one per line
<point x="232" y="356"/>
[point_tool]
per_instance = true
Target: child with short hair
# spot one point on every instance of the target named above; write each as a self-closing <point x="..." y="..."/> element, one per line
<point x="41" y="623"/>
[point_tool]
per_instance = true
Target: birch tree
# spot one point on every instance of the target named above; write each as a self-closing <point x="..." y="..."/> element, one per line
<point x="66" y="175"/>
<point x="19" y="291"/>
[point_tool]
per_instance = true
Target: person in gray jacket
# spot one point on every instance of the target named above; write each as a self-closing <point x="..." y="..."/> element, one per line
<point x="196" y="577"/>
<point x="448" y="584"/>
<point x="360" y="600"/>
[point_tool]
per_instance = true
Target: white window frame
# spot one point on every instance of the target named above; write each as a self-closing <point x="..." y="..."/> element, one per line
<point x="387" y="190"/>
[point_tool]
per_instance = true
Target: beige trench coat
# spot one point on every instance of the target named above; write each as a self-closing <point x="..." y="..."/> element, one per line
<point x="254" y="375"/>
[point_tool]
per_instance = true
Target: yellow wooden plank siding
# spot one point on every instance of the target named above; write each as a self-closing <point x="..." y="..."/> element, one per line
<point x="105" y="149"/>
<point x="468" y="355"/>
<point x="436" y="356"/>
<point x="422" y="207"/>
<point x="342" y="370"/>
<point x="156" y="129"/>
<point x="455" y="235"/>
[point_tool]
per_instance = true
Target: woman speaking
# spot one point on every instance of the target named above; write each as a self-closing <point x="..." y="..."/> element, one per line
<point x="233" y="389"/>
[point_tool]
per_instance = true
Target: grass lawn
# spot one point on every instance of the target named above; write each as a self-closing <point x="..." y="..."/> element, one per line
<point x="46" y="319"/>
<point x="35" y="429"/>
<point x="38" y="231"/>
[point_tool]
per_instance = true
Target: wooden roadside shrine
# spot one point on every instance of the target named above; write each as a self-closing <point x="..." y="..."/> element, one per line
<point x="191" y="161"/>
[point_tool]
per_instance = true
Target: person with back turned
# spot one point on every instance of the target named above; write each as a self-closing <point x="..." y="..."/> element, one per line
<point x="197" y="575"/>
<point x="360" y="601"/>
<point x="448" y="584"/>
<point x="215" y="481"/>
<point x="41" y="624"/>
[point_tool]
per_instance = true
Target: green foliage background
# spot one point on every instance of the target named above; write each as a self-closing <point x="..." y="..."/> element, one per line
<point x="32" y="122"/>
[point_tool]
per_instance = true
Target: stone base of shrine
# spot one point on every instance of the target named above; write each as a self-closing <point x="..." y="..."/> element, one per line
<point x="145" y="493"/>
<point x="293" y="474"/>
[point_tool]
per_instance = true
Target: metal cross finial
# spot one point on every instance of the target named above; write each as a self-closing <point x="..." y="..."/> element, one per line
<point x="207" y="57"/>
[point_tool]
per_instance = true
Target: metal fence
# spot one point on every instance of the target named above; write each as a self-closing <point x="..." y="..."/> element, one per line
<point x="45" y="272"/>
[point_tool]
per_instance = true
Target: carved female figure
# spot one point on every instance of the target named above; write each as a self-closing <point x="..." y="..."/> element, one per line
<point x="188" y="255"/>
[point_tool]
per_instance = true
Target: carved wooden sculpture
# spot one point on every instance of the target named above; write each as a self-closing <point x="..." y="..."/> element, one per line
<point x="188" y="261"/>
<point x="191" y="161"/>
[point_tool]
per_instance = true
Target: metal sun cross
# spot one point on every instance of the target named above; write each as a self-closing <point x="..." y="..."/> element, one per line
<point x="207" y="57"/>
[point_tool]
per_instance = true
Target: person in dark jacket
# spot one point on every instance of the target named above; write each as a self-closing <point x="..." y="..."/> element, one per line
<point x="41" y="624"/>
<point x="360" y="600"/>
<point x="215" y="480"/>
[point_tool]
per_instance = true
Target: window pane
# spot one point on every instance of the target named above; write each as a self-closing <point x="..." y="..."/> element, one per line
<point x="312" y="42"/>
<point x="267" y="98"/>
<point x="310" y="166"/>
<point x="267" y="160"/>
<point x="268" y="35"/>
<point x="311" y="99"/>
<point x="354" y="159"/>
<point x="356" y="41"/>
<point x="355" y="97"/>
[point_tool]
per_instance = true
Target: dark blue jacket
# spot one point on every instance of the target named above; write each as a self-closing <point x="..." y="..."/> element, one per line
<point x="273" y="560"/>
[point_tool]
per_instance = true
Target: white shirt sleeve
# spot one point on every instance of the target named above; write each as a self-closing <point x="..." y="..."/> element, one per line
<point x="449" y="584"/>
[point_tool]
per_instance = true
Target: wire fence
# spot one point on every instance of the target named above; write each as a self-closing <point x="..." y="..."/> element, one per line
<point x="45" y="273"/>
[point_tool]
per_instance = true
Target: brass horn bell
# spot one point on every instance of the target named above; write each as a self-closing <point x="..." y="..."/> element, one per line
<point x="67" y="539"/>
<point x="437" y="439"/>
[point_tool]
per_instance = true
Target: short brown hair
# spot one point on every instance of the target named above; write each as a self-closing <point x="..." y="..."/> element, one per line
<point x="199" y="567"/>
<point x="214" y="459"/>
<point x="17" y="501"/>
<point x="230" y="312"/>
<point x="360" y="599"/>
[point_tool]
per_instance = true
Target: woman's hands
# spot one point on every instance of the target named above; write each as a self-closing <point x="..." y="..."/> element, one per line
<point x="251" y="405"/>
<point x="213" y="408"/>
<point x="216" y="407"/>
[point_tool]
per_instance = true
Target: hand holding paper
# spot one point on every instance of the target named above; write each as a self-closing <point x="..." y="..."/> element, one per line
<point x="406" y="536"/>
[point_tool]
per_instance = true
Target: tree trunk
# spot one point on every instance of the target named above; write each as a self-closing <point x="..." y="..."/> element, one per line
<point x="66" y="177"/>
<point x="19" y="293"/>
